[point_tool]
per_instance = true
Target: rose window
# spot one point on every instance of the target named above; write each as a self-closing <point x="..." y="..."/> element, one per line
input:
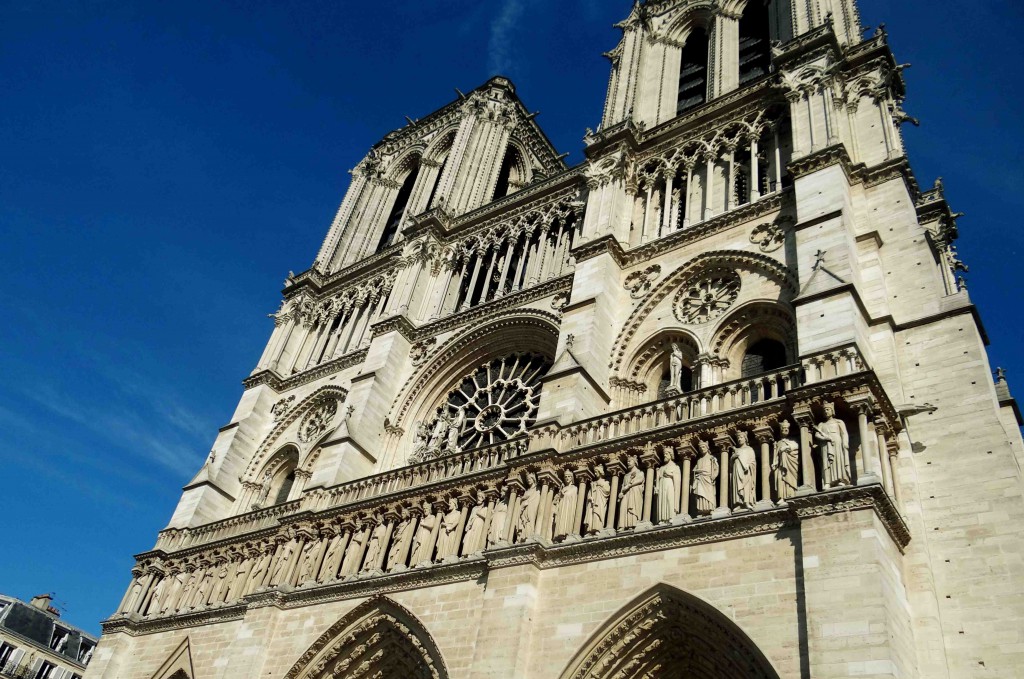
<point x="496" y="402"/>
<point x="707" y="298"/>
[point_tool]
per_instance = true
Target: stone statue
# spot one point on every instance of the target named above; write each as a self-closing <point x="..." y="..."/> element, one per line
<point x="499" y="517"/>
<point x="744" y="473"/>
<point x="675" y="364"/>
<point x="439" y="433"/>
<point x="597" y="501"/>
<point x="400" y="541"/>
<point x="258" y="572"/>
<point x="631" y="497"/>
<point x="172" y="592"/>
<point x="88" y="656"/>
<point x="422" y="441"/>
<point x="785" y="463"/>
<point x="421" y="547"/>
<point x="332" y="560"/>
<point x="241" y="574"/>
<point x="307" y="567"/>
<point x="528" y="506"/>
<point x="565" y="507"/>
<point x="476" y="523"/>
<point x="202" y="589"/>
<point x="264" y="491"/>
<point x="448" y="537"/>
<point x="455" y="429"/>
<point x="284" y="560"/>
<point x="668" y="481"/>
<point x="217" y="590"/>
<point x="705" y="474"/>
<point x="350" y="565"/>
<point x="834" y="442"/>
<point x="376" y="545"/>
<point x="133" y="598"/>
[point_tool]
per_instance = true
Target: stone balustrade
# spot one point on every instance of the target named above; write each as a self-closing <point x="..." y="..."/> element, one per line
<point x="759" y="446"/>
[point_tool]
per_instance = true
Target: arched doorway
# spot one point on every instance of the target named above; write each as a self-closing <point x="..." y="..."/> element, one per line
<point x="667" y="634"/>
<point x="377" y="640"/>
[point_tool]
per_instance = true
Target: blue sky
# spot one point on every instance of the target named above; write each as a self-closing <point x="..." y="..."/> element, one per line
<point x="165" y="164"/>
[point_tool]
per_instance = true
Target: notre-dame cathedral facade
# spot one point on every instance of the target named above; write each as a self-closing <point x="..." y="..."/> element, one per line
<point x="713" y="403"/>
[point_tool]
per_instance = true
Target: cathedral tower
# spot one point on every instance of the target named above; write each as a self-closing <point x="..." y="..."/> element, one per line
<point x="714" y="402"/>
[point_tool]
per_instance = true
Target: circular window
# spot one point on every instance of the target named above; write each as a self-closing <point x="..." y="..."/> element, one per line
<point x="707" y="297"/>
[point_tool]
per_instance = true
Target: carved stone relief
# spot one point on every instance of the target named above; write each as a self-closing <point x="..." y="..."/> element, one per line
<point x="707" y="298"/>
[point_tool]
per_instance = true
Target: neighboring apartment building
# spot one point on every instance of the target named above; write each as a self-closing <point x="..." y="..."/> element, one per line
<point x="36" y="644"/>
<point x="713" y="403"/>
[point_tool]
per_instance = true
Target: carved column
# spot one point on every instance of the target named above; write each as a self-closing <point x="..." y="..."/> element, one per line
<point x="894" y="453"/>
<point x="615" y="469"/>
<point x="688" y="198"/>
<point x="650" y="462"/>
<point x="883" y="455"/>
<point x="802" y="416"/>
<point x="583" y="475"/>
<point x="687" y="454"/>
<point x="730" y="181"/>
<point x="666" y="213"/>
<point x="868" y="471"/>
<point x="477" y="262"/>
<point x="724" y="444"/>
<point x="708" y="186"/>
<point x="764" y="436"/>
<point x="755" y="178"/>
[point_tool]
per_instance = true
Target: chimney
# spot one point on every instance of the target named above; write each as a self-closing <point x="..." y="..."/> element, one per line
<point x="42" y="602"/>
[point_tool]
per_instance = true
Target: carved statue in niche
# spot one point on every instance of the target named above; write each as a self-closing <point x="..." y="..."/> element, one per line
<point x="565" y="507"/>
<point x="631" y="497"/>
<point x="258" y="572"/>
<point x="667" y="484"/>
<point x="350" y="564"/>
<point x="499" y="518"/>
<point x="202" y="589"/>
<point x="440" y="433"/>
<point x="597" y="501"/>
<point x="675" y="365"/>
<point x="284" y="560"/>
<point x="421" y="546"/>
<point x="705" y="474"/>
<point x="261" y="499"/>
<point x="242" y="566"/>
<point x="177" y="582"/>
<point x="528" y="506"/>
<point x="133" y="598"/>
<point x="376" y="544"/>
<point x="448" y="537"/>
<point x="400" y="541"/>
<point x="744" y="473"/>
<point x="422" y="442"/>
<point x="220" y="584"/>
<point x="455" y="429"/>
<point x="332" y="560"/>
<point x="834" y="442"/>
<point x="476" y="523"/>
<point x="785" y="463"/>
<point x="154" y="600"/>
<point x="307" y="563"/>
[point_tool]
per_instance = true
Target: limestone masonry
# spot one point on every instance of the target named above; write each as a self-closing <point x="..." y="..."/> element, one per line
<point x="714" y="403"/>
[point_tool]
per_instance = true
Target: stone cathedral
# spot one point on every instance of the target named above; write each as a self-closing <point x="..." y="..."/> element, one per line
<point x="713" y="403"/>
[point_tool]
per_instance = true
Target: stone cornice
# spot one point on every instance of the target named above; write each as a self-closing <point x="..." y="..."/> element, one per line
<point x="282" y="384"/>
<point x="545" y="555"/>
<point x="874" y="175"/>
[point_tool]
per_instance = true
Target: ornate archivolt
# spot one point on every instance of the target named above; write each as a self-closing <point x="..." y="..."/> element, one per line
<point x="751" y="322"/>
<point x="378" y="639"/>
<point x="516" y="330"/>
<point x="303" y="426"/>
<point x="700" y="292"/>
<point x="666" y="632"/>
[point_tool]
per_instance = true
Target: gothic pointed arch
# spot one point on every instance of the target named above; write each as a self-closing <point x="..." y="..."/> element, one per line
<point x="380" y="639"/>
<point x="304" y="425"/>
<point x="728" y="276"/>
<point x="667" y="633"/>
<point x="178" y="664"/>
<point x="648" y="364"/>
<point x="756" y="329"/>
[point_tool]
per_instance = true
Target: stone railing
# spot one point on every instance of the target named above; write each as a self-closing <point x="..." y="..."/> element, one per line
<point x="773" y="453"/>
<point x="182" y="538"/>
<point x="423" y="473"/>
<point x="674" y="410"/>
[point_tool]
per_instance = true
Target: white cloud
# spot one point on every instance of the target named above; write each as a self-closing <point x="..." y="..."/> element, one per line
<point x="500" y="46"/>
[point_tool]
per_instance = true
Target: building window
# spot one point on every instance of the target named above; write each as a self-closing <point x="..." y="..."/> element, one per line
<point x="693" y="72"/>
<point x="46" y="671"/>
<point x="763" y="356"/>
<point x="398" y="209"/>
<point x="5" y="654"/>
<point x="286" y="488"/>
<point x="508" y="177"/>
<point x="754" y="56"/>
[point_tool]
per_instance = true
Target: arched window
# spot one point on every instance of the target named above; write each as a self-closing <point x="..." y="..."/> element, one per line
<point x="286" y="487"/>
<point x="398" y="209"/>
<point x="754" y="56"/>
<point x="693" y="72"/>
<point x="686" y="384"/>
<point x="437" y="183"/>
<point x="509" y="180"/>
<point x="763" y="356"/>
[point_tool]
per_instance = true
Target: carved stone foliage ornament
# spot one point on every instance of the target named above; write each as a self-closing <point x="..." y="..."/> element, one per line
<point x="707" y="298"/>
<point x="419" y="351"/>
<point x="639" y="282"/>
<point x="317" y="420"/>
<point x="279" y="409"/>
<point x="768" y="236"/>
<point x="560" y="301"/>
